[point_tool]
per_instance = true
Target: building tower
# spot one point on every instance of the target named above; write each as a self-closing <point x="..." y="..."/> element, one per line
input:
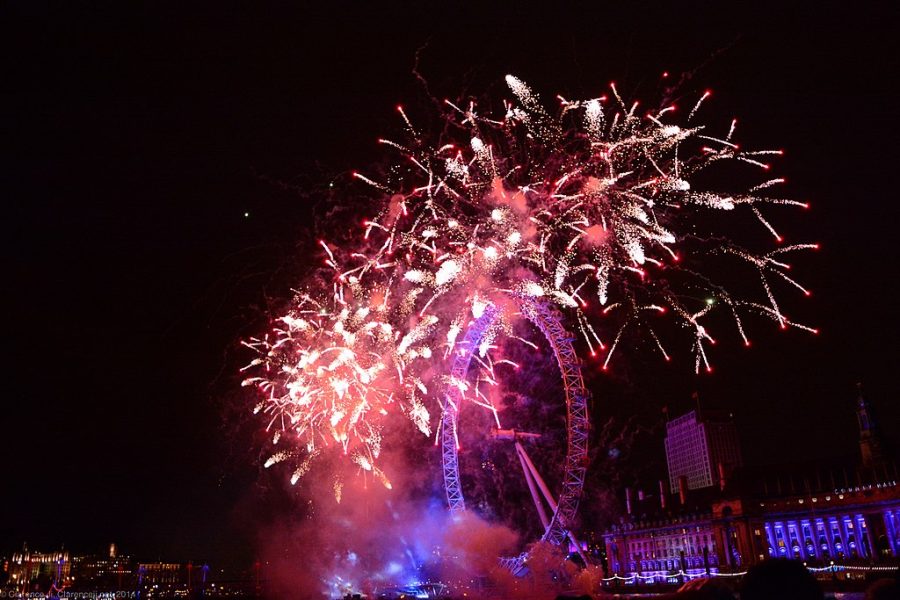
<point x="702" y="447"/>
<point x="869" y="442"/>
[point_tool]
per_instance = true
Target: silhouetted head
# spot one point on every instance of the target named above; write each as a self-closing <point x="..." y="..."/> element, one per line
<point x="883" y="589"/>
<point x="780" y="579"/>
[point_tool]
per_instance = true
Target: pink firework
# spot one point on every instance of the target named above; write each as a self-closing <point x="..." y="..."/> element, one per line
<point x="594" y="208"/>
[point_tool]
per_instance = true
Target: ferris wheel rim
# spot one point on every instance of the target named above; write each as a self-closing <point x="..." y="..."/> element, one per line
<point x="549" y="321"/>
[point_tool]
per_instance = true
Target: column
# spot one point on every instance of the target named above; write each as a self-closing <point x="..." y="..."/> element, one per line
<point x="842" y="527"/>
<point x="792" y="526"/>
<point x="862" y="521"/>
<point x="771" y="537"/>
<point x="814" y="537"/>
<point x="890" y="525"/>
<point x="829" y="536"/>
<point x="722" y="546"/>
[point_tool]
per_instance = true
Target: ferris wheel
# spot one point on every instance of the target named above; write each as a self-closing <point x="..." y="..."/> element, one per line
<point x="556" y="512"/>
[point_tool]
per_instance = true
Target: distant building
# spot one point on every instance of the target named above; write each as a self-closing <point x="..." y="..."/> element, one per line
<point x="713" y="531"/>
<point x="110" y="571"/>
<point x="870" y="449"/>
<point x="849" y="515"/>
<point x="162" y="573"/>
<point x="27" y="566"/>
<point x="702" y="448"/>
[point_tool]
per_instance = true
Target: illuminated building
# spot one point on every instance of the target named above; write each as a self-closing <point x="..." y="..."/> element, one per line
<point x="27" y="566"/>
<point x="110" y="571"/>
<point x="103" y="572"/>
<point x="702" y="447"/>
<point x="846" y="516"/>
<point x="161" y="573"/>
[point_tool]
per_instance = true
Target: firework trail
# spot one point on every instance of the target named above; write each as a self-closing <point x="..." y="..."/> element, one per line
<point x="593" y="208"/>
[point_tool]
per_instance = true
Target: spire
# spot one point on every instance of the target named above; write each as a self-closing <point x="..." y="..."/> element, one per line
<point x="869" y="443"/>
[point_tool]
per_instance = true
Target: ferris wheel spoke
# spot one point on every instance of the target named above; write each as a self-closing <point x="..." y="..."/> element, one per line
<point x="532" y="487"/>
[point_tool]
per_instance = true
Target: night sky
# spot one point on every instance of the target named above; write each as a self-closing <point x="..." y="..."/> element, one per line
<point x="139" y="135"/>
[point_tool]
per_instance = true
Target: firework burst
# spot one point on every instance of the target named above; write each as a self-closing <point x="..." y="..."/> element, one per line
<point x="595" y="202"/>
<point x="332" y="371"/>
<point x="593" y="208"/>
